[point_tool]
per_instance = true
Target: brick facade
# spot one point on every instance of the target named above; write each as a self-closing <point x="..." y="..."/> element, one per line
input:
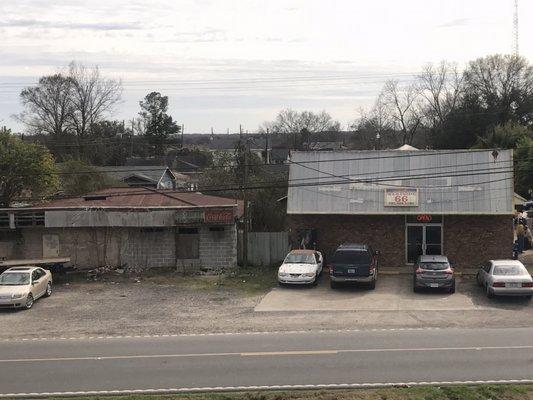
<point x="467" y="240"/>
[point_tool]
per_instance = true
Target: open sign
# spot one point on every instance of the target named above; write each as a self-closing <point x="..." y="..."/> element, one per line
<point x="424" y="218"/>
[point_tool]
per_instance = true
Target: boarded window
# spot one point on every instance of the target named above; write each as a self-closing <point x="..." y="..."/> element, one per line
<point x="29" y="219"/>
<point x="4" y="220"/>
<point x="188" y="243"/>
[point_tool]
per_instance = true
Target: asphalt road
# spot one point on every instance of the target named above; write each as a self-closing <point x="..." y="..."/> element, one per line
<point x="265" y="360"/>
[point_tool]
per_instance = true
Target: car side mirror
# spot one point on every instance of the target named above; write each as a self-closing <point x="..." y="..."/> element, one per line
<point x="33" y="283"/>
<point x="376" y="253"/>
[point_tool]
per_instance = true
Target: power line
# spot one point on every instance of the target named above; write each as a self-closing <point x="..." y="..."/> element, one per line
<point x="287" y="185"/>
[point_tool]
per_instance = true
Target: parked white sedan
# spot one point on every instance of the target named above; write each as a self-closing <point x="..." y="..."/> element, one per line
<point x="21" y="286"/>
<point x="301" y="267"/>
<point x="505" y="278"/>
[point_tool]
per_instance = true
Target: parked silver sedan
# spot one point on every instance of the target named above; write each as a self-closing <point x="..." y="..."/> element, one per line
<point x="21" y="286"/>
<point x="505" y="278"/>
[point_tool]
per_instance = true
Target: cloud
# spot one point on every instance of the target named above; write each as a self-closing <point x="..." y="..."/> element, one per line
<point x="455" y="22"/>
<point x="94" y="26"/>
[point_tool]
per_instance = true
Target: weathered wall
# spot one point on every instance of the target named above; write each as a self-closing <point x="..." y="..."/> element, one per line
<point x="467" y="240"/>
<point x="93" y="247"/>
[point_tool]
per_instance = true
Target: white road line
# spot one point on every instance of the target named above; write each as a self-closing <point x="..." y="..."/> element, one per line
<point x="263" y="353"/>
<point x="46" y="339"/>
<point x="262" y="387"/>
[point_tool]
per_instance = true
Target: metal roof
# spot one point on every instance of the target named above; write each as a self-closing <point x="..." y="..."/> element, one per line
<point x="354" y="182"/>
<point x="143" y="198"/>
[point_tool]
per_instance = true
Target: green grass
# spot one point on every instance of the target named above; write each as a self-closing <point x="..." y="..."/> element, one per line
<point x="241" y="282"/>
<point x="482" y="392"/>
<point x="244" y="282"/>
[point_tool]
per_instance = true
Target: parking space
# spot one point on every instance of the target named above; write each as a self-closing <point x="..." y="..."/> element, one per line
<point x="392" y="293"/>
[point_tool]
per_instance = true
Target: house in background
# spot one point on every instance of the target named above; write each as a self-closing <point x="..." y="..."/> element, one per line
<point x="159" y="177"/>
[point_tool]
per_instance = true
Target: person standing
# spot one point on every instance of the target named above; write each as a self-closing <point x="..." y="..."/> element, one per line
<point x="520" y="232"/>
<point x="528" y="238"/>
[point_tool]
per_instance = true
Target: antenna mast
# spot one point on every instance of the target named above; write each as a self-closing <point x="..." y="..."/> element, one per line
<point x="515" y="28"/>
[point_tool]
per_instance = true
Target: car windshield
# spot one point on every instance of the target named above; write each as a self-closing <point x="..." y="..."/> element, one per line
<point x="352" y="257"/>
<point x="14" y="279"/>
<point x="295" y="258"/>
<point x="434" y="266"/>
<point x="509" y="270"/>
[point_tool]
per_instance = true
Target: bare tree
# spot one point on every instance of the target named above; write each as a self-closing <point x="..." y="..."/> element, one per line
<point x="502" y="84"/>
<point x="69" y="103"/>
<point x="290" y="121"/>
<point x="403" y="107"/>
<point x="47" y="105"/>
<point x="441" y="87"/>
<point x="92" y="97"/>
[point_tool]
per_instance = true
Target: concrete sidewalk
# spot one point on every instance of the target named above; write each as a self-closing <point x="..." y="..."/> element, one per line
<point x="392" y="293"/>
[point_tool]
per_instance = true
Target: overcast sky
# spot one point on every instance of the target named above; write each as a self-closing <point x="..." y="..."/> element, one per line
<point x="226" y="62"/>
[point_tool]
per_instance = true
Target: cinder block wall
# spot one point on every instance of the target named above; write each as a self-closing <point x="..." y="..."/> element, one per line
<point x="218" y="249"/>
<point x="94" y="247"/>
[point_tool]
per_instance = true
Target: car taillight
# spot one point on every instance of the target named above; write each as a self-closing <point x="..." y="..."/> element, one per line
<point x="527" y="284"/>
<point x="419" y="271"/>
<point x="448" y="271"/>
<point x="498" y="284"/>
<point x="330" y="267"/>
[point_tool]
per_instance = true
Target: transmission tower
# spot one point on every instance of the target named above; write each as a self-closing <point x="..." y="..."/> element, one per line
<point x="515" y="28"/>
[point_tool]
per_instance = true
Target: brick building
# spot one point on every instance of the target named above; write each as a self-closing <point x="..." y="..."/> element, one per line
<point x="138" y="227"/>
<point x="404" y="203"/>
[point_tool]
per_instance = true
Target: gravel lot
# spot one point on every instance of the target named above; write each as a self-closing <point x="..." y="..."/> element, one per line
<point x="167" y="303"/>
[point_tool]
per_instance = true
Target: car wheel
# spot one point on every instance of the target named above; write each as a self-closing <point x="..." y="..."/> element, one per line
<point x="478" y="280"/>
<point x="333" y="285"/>
<point x="528" y="297"/>
<point x="372" y="285"/>
<point x="48" y="292"/>
<point x="452" y="289"/>
<point x="315" y="282"/>
<point x="29" y="302"/>
<point x="280" y="284"/>
<point x="490" y="295"/>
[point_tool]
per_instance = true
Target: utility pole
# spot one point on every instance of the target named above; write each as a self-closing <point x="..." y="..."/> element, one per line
<point x="245" y="199"/>
<point x="267" y="158"/>
<point x="182" y="130"/>
<point x="515" y="28"/>
<point x="132" y="130"/>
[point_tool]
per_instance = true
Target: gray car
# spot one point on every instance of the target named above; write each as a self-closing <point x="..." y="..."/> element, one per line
<point x="433" y="272"/>
<point x="505" y="278"/>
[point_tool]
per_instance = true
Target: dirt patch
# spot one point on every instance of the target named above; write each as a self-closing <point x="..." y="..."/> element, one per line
<point x="164" y="302"/>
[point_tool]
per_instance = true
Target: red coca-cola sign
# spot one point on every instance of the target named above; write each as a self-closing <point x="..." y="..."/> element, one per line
<point x="218" y="216"/>
<point x="424" y="218"/>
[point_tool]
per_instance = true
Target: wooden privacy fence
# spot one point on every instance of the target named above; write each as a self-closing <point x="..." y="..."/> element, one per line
<point x="264" y="248"/>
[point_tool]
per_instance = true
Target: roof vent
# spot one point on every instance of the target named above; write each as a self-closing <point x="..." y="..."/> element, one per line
<point x="95" y="197"/>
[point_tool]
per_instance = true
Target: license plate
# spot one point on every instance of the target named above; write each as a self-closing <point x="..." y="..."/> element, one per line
<point x="351" y="270"/>
<point x="513" y="285"/>
<point x="433" y="285"/>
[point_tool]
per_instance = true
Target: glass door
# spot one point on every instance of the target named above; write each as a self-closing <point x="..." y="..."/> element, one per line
<point x="423" y="239"/>
<point x="415" y="242"/>
<point x="433" y="240"/>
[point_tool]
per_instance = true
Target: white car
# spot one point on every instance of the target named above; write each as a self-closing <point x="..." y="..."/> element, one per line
<point x="21" y="286"/>
<point x="505" y="278"/>
<point x="301" y="267"/>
